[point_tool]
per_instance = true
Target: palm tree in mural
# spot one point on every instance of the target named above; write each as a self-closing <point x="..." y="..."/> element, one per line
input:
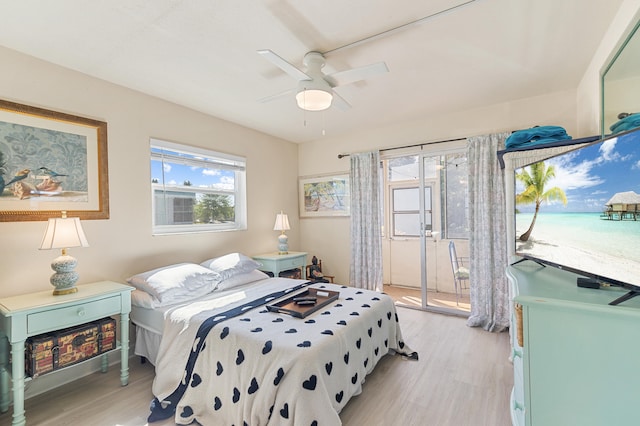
<point x="534" y="181"/>
<point x="326" y="195"/>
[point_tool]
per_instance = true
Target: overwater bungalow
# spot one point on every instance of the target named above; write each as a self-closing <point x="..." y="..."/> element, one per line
<point x="623" y="205"/>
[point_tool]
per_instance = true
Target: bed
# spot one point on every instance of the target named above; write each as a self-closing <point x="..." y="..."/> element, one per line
<point x="224" y="358"/>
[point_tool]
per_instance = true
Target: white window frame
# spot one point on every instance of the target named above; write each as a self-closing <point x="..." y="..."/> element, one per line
<point x="184" y="154"/>
<point x="439" y="221"/>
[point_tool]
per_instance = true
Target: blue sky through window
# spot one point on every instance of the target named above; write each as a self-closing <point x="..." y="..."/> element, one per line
<point x="592" y="175"/>
<point x="203" y="177"/>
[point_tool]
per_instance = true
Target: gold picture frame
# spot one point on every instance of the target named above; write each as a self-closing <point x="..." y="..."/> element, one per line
<point x="324" y="196"/>
<point x="51" y="162"/>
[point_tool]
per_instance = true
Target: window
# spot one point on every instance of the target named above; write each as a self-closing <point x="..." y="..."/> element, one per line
<point x="445" y="196"/>
<point x="196" y="190"/>
<point x="405" y="204"/>
<point x="183" y="210"/>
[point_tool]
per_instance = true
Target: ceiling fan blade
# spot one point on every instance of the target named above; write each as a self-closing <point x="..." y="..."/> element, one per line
<point x="342" y="78"/>
<point x="283" y="65"/>
<point x="339" y="102"/>
<point x="284" y="94"/>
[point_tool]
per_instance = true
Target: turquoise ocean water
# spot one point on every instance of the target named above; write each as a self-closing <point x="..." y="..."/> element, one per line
<point x="585" y="230"/>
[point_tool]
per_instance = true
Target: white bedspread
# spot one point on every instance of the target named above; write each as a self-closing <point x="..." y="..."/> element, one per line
<point x="265" y="368"/>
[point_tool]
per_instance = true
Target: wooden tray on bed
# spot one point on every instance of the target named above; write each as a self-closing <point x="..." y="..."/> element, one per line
<point x="289" y="306"/>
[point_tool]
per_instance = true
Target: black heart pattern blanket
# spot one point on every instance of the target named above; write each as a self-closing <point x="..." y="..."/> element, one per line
<point x="240" y="364"/>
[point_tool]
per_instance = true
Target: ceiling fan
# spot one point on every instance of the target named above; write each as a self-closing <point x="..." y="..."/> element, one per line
<point x="314" y="91"/>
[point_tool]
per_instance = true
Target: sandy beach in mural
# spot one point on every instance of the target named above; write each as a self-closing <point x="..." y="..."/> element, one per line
<point x="607" y="248"/>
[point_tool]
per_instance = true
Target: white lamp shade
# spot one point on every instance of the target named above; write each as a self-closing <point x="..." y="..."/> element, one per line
<point x="64" y="233"/>
<point x="282" y="222"/>
<point x="314" y="99"/>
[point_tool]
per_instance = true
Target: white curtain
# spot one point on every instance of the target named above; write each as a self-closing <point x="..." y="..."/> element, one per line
<point x="489" y="288"/>
<point x="366" y="244"/>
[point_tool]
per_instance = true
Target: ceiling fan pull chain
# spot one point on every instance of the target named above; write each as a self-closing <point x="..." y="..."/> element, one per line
<point x="304" y="111"/>
<point x="324" y="123"/>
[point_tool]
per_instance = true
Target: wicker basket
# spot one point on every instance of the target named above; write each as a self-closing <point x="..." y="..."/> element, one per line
<point x="519" y="331"/>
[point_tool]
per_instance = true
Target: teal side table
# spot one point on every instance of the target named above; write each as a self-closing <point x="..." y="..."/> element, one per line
<point x="276" y="263"/>
<point x="36" y="313"/>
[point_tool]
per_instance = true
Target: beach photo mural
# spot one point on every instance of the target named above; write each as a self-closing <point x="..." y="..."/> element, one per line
<point x="581" y="209"/>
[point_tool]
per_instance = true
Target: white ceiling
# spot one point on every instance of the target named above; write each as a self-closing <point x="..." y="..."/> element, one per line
<point x="202" y="53"/>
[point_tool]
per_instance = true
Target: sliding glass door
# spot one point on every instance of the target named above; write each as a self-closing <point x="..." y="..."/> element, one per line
<point x="426" y="209"/>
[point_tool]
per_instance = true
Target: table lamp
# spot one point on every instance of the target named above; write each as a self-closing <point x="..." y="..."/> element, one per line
<point x="63" y="233"/>
<point x="282" y="224"/>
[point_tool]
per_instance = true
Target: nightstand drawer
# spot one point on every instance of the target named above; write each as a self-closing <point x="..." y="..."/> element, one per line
<point x="56" y="319"/>
<point x="290" y="263"/>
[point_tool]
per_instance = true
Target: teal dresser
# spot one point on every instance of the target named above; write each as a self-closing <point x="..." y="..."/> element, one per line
<point x="577" y="363"/>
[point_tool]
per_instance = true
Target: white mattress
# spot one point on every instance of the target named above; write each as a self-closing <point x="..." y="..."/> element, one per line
<point x="150" y="321"/>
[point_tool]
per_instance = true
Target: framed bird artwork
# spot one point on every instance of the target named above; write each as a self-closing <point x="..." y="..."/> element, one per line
<point x="51" y="162"/>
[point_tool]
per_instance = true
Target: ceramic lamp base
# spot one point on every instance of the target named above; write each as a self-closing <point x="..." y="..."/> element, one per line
<point x="283" y="244"/>
<point x="65" y="278"/>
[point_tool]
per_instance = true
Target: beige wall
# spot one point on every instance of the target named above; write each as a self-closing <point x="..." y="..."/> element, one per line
<point x="123" y="245"/>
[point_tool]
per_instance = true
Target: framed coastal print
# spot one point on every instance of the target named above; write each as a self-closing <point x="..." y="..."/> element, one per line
<point x="324" y="196"/>
<point x="51" y="162"/>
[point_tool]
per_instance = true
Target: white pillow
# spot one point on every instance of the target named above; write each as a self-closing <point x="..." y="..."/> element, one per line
<point x="240" y="279"/>
<point x="143" y="299"/>
<point x="176" y="283"/>
<point x="231" y="264"/>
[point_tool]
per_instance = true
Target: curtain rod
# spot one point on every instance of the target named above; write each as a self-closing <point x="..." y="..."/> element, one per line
<point x="340" y="156"/>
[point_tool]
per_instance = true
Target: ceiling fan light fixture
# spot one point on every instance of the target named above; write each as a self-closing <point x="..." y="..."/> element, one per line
<point x="314" y="99"/>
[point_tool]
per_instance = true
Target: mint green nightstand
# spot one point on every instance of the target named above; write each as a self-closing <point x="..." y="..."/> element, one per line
<point x="36" y="313"/>
<point x="276" y="263"/>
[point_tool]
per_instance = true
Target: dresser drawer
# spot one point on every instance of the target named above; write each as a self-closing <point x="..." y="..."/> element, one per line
<point x="56" y="319"/>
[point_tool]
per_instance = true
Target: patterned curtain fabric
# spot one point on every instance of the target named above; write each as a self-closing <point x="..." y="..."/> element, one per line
<point x="489" y="289"/>
<point x="366" y="243"/>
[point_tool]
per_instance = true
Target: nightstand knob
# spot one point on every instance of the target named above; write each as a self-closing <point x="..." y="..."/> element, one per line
<point x="81" y="312"/>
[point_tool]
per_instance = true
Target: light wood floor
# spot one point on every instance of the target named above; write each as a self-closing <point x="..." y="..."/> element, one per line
<point x="412" y="298"/>
<point x="463" y="377"/>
